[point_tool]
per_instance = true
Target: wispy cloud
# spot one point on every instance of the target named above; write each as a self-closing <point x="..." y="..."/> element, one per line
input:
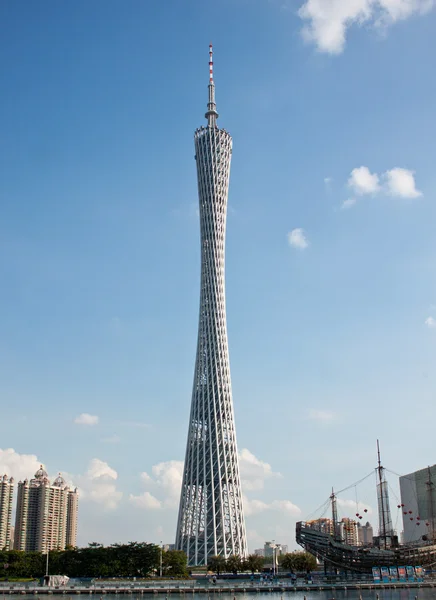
<point x="324" y="416"/>
<point x="326" y="22"/>
<point x="112" y="439"/>
<point x="350" y="508"/>
<point x="348" y="203"/>
<point x="137" y="424"/>
<point x="297" y="239"/>
<point x="430" y="322"/>
<point x="328" y="181"/>
<point x="86" y="419"/>
<point x="254" y="507"/>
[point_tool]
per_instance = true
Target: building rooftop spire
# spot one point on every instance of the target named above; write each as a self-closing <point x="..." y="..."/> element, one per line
<point x="211" y="114"/>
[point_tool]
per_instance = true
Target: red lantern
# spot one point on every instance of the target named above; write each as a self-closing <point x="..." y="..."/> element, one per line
<point x="366" y="510"/>
<point x="418" y="523"/>
<point x="410" y="512"/>
<point x="418" y="518"/>
<point x="357" y="514"/>
<point x="428" y="524"/>
<point x="399" y="506"/>
<point x="405" y="512"/>
<point x="360" y="517"/>
<point x="411" y="518"/>
<point x="402" y="505"/>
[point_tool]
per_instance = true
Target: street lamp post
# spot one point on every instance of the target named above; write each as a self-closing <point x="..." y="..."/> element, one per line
<point x="160" y="562"/>
<point x="273" y="546"/>
<point x="46" y="562"/>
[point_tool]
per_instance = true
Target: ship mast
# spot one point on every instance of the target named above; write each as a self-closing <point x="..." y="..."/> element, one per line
<point x="430" y="485"/>
<point x="334" y="515"/>
<point x="380" y="478"/>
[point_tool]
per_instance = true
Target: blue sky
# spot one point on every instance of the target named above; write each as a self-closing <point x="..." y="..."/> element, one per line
<point x="331" y="252"/>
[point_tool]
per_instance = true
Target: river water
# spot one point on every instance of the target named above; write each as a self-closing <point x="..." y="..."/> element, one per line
<point x="388" y="594"/>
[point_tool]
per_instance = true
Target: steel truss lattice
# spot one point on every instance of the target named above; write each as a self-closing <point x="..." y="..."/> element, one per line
<point x="211" y="519"/>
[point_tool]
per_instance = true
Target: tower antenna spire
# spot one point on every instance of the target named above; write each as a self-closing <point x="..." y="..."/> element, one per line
<point x="211" y="114"/>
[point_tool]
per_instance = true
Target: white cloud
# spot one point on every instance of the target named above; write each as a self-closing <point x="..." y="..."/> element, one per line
<point x="297" y="238"/>
<point x="166" y="482"/>
<point x="254" y="507"/>
<point x="348" y="203"/>
<point x="86" y="419"/>
<point x="254" y="471"/>
<point x="362" y="181"/>
<point x="326" y="21"/>
<point x="98" y="468"/>
<point x="98" y="484"/>
<point x="146" y="501"/>
<point x="401" y="182"/>
<point x="350" y="508"/>
<point x="325" y="416"/>
<point x="162" y="487"/>
<point x="430" y="322"/>
<point x="19" y="466"/>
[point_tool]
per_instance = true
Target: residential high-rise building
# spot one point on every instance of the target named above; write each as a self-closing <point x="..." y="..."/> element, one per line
<point x="72" y="510"/>
<point x="46" y="516"/>
<point x="324" y="525"/>
<point x="6" y="498"/>
<point x="211" y="519"/>
<point x="349" y="531"/>
<point x="11" y="542"/>
<point x="418" y="504"/>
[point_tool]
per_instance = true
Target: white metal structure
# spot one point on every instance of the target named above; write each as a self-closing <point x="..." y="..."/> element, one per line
<point x="211" y="518"/>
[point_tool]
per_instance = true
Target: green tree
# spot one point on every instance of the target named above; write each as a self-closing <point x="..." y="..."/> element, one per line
<point x="253" y="563"/>
<point x="298" y="561"/>
<point x="174" y="563"/>
<point x="125" y="560"/>
<point x="217" y="564"/>
<point x="234" y="564"/>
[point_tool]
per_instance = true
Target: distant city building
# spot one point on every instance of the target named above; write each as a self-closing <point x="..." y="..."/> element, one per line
<point x="365" y="534"/>
<point x="418" y="504"/>
<point x="168" y="547"/>
<point x="348" y="531"/>
<point x="271" y="548"/>
<point x="46" y="516"/>
<point x="259" y="552"/>
<point x="285" y="549"/>
<point x="324" y="525"/>
<point x="6" y="498"/>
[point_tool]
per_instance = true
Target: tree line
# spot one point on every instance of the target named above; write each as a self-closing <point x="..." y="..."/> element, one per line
<point x="135" y="559"/>
<point x="294" y="562"/>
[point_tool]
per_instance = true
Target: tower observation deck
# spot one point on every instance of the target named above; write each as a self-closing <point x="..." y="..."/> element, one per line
<point x="211" y="518"/>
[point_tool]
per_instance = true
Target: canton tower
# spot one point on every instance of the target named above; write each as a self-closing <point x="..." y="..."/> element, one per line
<point x="211" y="518"/>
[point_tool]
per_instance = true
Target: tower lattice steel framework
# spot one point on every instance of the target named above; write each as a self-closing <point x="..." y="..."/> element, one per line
<point x="211" y="518"/>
